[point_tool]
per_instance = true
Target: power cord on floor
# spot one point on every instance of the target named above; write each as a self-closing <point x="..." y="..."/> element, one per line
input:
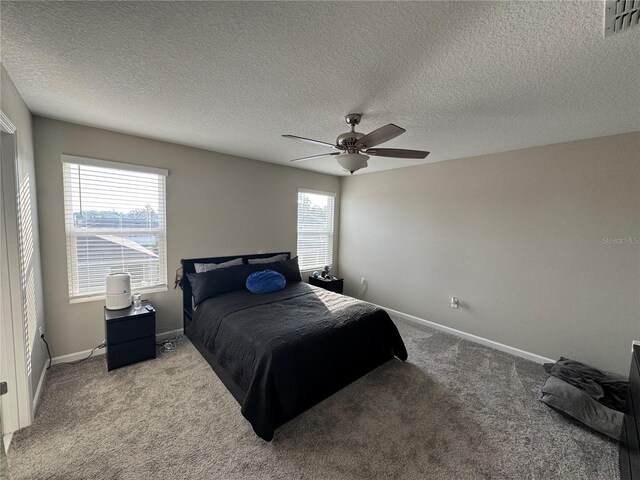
<point x="99" y="347"/>
<point x="170" y="344"/>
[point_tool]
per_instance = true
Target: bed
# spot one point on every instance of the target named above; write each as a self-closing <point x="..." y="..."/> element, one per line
<point x="280" y="353"/>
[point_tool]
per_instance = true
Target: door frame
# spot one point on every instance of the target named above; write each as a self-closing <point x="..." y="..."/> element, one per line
<point x="17" y="403"/>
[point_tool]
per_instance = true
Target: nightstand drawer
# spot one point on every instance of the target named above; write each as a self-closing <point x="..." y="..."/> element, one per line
<point x="127" y="329"/>
<point x="127" y="353"/>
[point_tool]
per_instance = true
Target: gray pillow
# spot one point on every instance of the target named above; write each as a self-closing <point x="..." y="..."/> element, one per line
<point x="207" y="267"/>
<point x="287" y="268"/>
<point x="221" y="280"/>
<point x="577" y="404"/>
<point x="276" y="258"/>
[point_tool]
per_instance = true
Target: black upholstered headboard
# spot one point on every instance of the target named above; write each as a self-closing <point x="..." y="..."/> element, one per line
<point x="188" y="266"/>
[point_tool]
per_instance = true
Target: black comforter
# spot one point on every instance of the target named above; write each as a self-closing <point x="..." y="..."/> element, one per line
<point x="281" y="353"/>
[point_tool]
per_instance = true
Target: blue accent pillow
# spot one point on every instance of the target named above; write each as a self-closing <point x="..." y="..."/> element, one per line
<point x="265" y="281"/>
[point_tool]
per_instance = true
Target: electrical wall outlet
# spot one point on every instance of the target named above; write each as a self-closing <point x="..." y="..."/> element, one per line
<point x="40" y="330"/>
<point x="363" y="281"/>
<point x="455" y="303"/>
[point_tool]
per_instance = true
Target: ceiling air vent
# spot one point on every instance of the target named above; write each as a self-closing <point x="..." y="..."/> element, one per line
<point x="620" y="15"/>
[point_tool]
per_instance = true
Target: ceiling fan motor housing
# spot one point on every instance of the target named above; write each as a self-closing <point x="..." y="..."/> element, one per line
<point x="348" y="140"/>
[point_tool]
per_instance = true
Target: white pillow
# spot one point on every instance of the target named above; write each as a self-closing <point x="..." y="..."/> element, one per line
<point x="276" y="258"/>
<point x="206" y="267"/>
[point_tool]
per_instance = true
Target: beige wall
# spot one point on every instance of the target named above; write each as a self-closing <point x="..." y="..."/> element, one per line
<point x="15" y="109"/>
<point x="216" y="205"/>
<point x="520" y="237"/>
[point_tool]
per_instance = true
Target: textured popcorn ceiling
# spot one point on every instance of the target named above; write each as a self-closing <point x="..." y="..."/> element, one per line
<point x="463" y="78"/>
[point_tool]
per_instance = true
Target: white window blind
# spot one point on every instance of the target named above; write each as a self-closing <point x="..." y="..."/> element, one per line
<point x="115" y="222"/>
<point x="27" y="271"/>
<point x="315" y="229"/>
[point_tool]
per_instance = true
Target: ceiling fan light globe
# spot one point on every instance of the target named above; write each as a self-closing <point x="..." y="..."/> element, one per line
<point x="352" y="162"/>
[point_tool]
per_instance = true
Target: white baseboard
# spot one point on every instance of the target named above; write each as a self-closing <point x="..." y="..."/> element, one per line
<point x="474" y="338"/>
<point x="73" y="357"/>
<point x="169" y="334"/>
<point x="36" y="396"/>
<point x="6" y="439"/>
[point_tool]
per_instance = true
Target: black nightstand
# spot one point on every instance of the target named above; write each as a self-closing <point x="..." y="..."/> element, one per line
<point x="130" y="334"/>
<point x="335" y="285"/>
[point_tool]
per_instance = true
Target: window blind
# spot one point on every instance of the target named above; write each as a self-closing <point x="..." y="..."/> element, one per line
<point x="27" y="271"/>
<point x="115" y="222"/>
<point x="315" y="229"/>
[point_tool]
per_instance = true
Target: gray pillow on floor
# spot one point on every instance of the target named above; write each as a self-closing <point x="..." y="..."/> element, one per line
<point x="576" y="404"/>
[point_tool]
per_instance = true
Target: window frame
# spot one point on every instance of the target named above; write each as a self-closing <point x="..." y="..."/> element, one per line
<point x="71" y="234"/>
<point x="334" y="195"/>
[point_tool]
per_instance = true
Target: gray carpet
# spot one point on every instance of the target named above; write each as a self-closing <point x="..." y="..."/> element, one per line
<point x="455" y="410"/>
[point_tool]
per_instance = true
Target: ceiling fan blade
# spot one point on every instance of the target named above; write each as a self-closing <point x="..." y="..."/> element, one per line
<point x="316" y="142"/>
<point x="396" y="152"/>
<point x="380" y="135"/>
<point x="315" y="156"/>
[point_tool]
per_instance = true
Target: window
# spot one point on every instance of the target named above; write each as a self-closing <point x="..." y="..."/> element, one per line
<point x="115" y="222"/>
<point x="315" y="229"/>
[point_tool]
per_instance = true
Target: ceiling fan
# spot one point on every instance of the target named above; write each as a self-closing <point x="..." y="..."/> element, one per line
<point x="355" y="147"/>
